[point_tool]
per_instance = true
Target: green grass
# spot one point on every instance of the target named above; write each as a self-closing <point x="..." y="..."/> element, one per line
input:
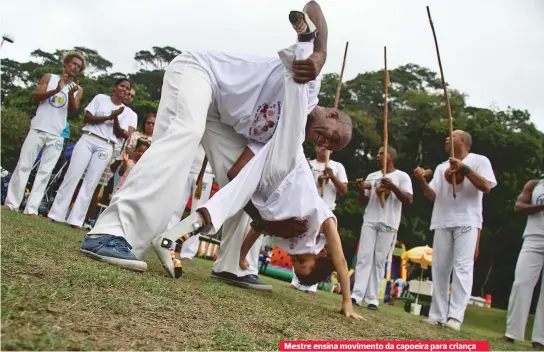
<point x="55" y="298"/>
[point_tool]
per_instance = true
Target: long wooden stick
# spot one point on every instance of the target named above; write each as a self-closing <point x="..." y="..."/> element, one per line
<point x="199" y="180"/>
<point x="450" y="119"/>
<point x="385" y="131"/>
<point x="336" y="102"/>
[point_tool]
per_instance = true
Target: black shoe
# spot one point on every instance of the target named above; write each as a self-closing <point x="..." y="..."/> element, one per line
<point x="354" y="301"/>
<point x="250" y="281"/>
<point x="372" y="307"/>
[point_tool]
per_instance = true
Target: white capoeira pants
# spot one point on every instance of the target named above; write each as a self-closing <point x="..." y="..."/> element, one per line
<point x="34" y="142"/>
<point x="143" y="207"/>
<point x="271" y="165"/>
<point x="453" y="250"/>
<point x="301" y="287"/>
<point x="528" y="269"/>
<point x="91" y="154"/>
<point x="374" y="246"/>
<point x="190" y="247"/>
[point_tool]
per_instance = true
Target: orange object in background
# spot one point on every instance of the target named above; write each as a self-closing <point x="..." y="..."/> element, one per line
<point x="281" y="259"/>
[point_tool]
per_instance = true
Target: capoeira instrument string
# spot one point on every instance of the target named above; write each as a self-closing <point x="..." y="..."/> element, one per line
<point x="336" y="102"/>
<point x="450" y="119"/>
<point x="199" y="180"/>
<point x="385" y="132"/>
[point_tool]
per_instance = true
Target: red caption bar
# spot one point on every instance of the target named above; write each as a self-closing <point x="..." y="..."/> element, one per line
<point x="384" y="346"/>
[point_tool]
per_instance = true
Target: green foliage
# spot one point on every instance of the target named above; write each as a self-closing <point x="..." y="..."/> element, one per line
<point x="15" y="126"/>
<point x="417" y="129"/>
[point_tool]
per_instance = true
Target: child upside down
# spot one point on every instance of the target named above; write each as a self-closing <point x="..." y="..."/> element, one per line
<point x="277" y="183"/>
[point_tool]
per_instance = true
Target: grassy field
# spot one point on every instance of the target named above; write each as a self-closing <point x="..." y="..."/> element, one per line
<point x="55" y="298"/>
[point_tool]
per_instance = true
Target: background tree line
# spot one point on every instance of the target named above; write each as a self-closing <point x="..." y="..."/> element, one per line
<point x="417" y="129"/>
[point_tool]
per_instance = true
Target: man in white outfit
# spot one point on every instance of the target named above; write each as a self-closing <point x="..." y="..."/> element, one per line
<point x="106" y="122"/>
<point x="190" y="247"/>
<point x="380" y="226"/>
<point x="529" y="267"/>
<point x="58" y="98"/>
<point x="336" y="181"/>
<point x="456" y="224"/>
<point x="215" y="99"/>
<point x="279" y="183"/>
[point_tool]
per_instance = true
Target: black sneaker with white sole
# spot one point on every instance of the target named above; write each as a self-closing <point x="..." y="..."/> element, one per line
<point x="372" y="307"/>
<point x="249" y="281"/>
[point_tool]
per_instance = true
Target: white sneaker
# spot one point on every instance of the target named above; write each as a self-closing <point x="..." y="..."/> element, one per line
<point x="303" y="25"/>
<point x="432" y="322"/>
<point x="453" y="324"/>
<point x="168" y="245"/>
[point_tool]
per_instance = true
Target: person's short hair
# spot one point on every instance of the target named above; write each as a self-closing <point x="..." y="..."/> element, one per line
<point x="143" y="141"/>
<point x="70" y="55"/>
<point x="121" y="80"/>
<point x="322" y="270"/>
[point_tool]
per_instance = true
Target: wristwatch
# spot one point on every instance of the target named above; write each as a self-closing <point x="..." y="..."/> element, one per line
<point x="465" y="170"/>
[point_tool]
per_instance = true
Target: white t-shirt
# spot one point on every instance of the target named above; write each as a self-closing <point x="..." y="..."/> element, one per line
<point x="52" y="113"/>
<point x="101" y="105"/>
<point x="535" y="222"/>
<point x="466" y="209"/>
<point x="249" y="90"/>
<point x="391" y="212"/>
<point x="329" y="194"/>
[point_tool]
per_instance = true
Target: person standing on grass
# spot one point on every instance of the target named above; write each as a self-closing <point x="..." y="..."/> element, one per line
<point x="106" y="122"/>
<point x="58" y="97"/>
<point x="529" y="267"/>
<point x="380" y="226"/>
<point x="456" y="224"/>
<point x="336" y="181"/>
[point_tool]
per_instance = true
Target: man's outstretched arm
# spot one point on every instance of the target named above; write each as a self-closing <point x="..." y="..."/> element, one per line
<point x="316" y="15"/>
<point x="307" y="70"/>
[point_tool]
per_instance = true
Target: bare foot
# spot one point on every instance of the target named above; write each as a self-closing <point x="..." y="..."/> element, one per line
<point x="75" y="227"/>
<point x="311" y="293"/>
<point x="33" y="215"/>
<point x="50" y="220"/>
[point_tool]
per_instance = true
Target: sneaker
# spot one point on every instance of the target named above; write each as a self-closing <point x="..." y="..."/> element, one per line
<point x="432" y="322"/>
<point x="354" y="301"/>
<point x="113" y="250"/>
<point x="453" y="324"/>
<point x="305" y="28"/>
<point x="87" y="226"/>
<point x="168" y="245"/>
<point x="250" y="281"/>
<point x="537" y="345"/>
<point x="372" y="307"/>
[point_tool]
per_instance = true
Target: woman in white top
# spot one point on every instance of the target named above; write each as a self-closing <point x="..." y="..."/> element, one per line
<point x="58" y="96"/>
<point x="106" y="122"/>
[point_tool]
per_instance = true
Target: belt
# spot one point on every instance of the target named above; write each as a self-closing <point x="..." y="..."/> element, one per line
<point x="101" y="138"/>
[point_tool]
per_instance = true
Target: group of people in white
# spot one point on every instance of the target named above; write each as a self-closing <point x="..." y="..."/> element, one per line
<point x="248" y="116"/>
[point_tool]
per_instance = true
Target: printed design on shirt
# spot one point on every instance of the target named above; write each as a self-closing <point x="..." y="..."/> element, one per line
<point x="102" y="155"/>
<point x="540" y="199"/>
<point x="58" y="145"/>
<point x="466" y="229"/>
<point x="58" y="100"/>
<point x="265" y="120"/>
